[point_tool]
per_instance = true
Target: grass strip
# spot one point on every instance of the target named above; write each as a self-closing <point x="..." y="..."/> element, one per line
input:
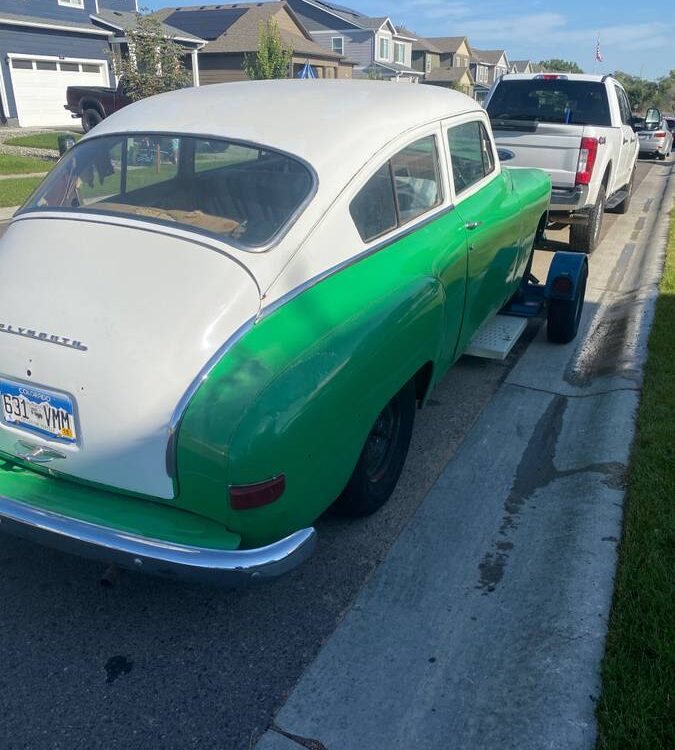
<point x="635" y="710"/>
<point x="11" y="164"/>
<point x="40" y="140"/>
<point x="15" y="191"/>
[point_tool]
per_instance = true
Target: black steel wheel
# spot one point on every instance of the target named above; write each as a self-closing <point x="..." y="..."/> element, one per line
<point x="382" y="458"/>
<point x="564" y="315"/>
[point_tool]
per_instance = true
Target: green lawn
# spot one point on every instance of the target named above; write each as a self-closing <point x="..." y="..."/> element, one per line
<point x="11" y="164"/>
<point x="635" y="711"/>
<point x="14" y="192"/>
<point x="39" y="140"/>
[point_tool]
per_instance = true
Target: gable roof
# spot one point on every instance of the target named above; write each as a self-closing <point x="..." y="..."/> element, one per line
<point x="123" y="20"/>
<point x="489" y="56"/>
<point x="449" y="75"/>
<point x="402" y="31"/>
<point x="449" y="44"/>
<point x="425" y="45"/>
<point x="520" y="65"/>
<point x="240" y="33"/>
<point x="19" y="19"/>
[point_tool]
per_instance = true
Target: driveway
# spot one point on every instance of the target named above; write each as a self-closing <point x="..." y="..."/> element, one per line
<point x="149" y="663"/>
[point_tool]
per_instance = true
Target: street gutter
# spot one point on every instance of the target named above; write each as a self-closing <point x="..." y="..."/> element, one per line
<point x="485" y="624"/>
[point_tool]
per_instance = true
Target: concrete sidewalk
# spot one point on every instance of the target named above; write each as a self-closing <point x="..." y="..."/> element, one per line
<point x="484" y="627"/>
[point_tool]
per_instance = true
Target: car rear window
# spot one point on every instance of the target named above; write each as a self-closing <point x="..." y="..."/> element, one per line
<point x="243" y="193"/>
<point x="558" y="100"/>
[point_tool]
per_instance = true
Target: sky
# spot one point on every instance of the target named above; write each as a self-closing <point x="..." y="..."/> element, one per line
<point x="638" y="38"/>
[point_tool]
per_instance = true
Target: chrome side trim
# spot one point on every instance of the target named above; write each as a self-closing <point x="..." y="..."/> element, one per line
<point x="202" y="375"/>
<point x="155" y="556"/>
<point x="390" y="240"/>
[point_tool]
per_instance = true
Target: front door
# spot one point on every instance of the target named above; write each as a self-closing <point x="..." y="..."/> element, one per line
<point x="490" y="210"/>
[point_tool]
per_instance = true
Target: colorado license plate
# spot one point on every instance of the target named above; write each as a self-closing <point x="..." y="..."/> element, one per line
<point x="47" y="413"/>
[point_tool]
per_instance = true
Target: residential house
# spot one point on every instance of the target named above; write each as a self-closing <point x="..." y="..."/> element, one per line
<point x="378" y="48"/>
<point x="455" y="78"/>
<point x="486" y="67"/>
<point x="425" y="56"/>
<point x="522" y="66"/>
<point x="455" y="51"/>
<point x="48" y="45"/>
<point x="233" y="31"/>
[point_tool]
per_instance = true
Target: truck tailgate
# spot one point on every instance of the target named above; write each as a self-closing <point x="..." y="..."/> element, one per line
<point x="553" y="148"/>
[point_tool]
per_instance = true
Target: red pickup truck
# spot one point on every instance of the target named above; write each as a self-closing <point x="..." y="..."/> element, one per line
<point x="93" y="103"/>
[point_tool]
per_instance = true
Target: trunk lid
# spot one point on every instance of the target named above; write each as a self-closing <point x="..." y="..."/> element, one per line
<point x="119" y="320"/>
<point x="548" y="146"/>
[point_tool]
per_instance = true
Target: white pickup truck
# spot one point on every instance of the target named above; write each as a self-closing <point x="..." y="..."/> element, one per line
<point x="579" y="129"/>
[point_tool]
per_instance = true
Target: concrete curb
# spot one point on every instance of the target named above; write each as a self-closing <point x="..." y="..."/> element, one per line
<point x="485" y="624"/>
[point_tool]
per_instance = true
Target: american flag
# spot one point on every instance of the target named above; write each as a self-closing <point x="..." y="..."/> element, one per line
<point x="598" y="54"/>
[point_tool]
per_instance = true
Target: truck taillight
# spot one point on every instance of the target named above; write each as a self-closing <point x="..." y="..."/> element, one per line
<point x="587" y="156"/>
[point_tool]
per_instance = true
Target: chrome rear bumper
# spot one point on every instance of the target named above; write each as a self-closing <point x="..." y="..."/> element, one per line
<point x="569" y="199"/>
<point x="229" y="568"/>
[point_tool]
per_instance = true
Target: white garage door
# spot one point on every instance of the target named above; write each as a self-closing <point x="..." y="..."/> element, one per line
<point x="40" y="88"/>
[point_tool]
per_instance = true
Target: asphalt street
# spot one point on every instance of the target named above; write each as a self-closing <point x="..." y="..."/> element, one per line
<point x="149" y="663"/>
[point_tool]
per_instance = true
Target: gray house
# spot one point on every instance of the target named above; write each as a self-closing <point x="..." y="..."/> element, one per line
<point x="48" y="45"/>
<point x="376" y="45"/>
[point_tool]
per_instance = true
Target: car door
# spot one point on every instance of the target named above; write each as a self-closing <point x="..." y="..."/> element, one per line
<point x="491" y="212"/>
<point x="628" y="141"/>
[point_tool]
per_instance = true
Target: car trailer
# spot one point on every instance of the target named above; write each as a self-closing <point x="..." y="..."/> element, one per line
<point x="560" y="299"/>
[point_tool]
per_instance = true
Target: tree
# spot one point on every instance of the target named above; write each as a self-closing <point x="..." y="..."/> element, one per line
<point x="154" y="63"/>
<point x="641" y="93"/>
<point x="273" y="58"/>
<point x="556" y="65"/>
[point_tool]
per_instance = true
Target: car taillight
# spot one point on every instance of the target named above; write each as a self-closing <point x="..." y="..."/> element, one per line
<point x="660" y="134"/>
<point x="587" y="156"/>
<point x="248" y="496"/>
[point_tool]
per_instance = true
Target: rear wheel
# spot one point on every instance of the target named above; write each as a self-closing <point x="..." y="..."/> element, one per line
<point x="90" y="119"/>
<point x="623" y="207"/>
<point x="564" y="315"/>
<point x="585" y="237"/>
<point x="382" y="457"/>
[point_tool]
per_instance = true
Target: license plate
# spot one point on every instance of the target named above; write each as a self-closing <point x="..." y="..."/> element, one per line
<point x="44" y="412"/>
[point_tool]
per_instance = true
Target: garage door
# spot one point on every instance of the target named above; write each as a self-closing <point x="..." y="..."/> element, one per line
<point x="40" y="88"/>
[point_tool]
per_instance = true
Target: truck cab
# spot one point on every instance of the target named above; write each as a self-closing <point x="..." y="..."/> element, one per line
<point x="579" y="128"/>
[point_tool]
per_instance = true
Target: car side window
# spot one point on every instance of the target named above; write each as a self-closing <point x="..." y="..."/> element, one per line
<point x="374" y="208"/>
<point x="470" y="153"/>
<point x="406" y="187"/>
<point x="624" y="106"/>
<point x="416" y="178"/>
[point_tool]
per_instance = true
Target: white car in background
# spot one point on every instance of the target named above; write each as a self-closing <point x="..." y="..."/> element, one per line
<point x="656" y="140"/>
<point x="579" y="129"/>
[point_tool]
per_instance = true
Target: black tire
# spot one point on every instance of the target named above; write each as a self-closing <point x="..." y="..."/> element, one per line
<point x="623" y="207"/>
<point x="584" y="237"/>
<point x="90" y="119"/>
<point x="564" y="315"/>
<point x="382" y="458"/>
<point x="660" y="157"/>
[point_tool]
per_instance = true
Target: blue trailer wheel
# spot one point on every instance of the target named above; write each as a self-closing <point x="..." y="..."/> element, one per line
<point x="563" y="315"/>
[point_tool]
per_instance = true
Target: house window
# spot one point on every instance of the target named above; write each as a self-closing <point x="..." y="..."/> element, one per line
<point x="72" y="3"/>
<point x="338" y="45"/>
<point x="427" y="63"/>
<point x="383" y="47"/>
<point x="399" y="53"/>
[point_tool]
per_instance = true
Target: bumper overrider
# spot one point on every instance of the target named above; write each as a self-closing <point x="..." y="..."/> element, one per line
<point x="229" y="568"/>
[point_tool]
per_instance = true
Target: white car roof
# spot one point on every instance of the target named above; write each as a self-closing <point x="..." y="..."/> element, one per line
<point x="335" y="125"/>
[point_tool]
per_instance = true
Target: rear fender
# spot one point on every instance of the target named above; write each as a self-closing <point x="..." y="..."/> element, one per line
<point x="568" y="266"/>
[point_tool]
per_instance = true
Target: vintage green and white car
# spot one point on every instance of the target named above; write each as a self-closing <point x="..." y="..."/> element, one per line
<point x="222" y="307"/>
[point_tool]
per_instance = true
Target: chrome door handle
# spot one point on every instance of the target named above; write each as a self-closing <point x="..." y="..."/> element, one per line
<point x="470" y="225"/>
